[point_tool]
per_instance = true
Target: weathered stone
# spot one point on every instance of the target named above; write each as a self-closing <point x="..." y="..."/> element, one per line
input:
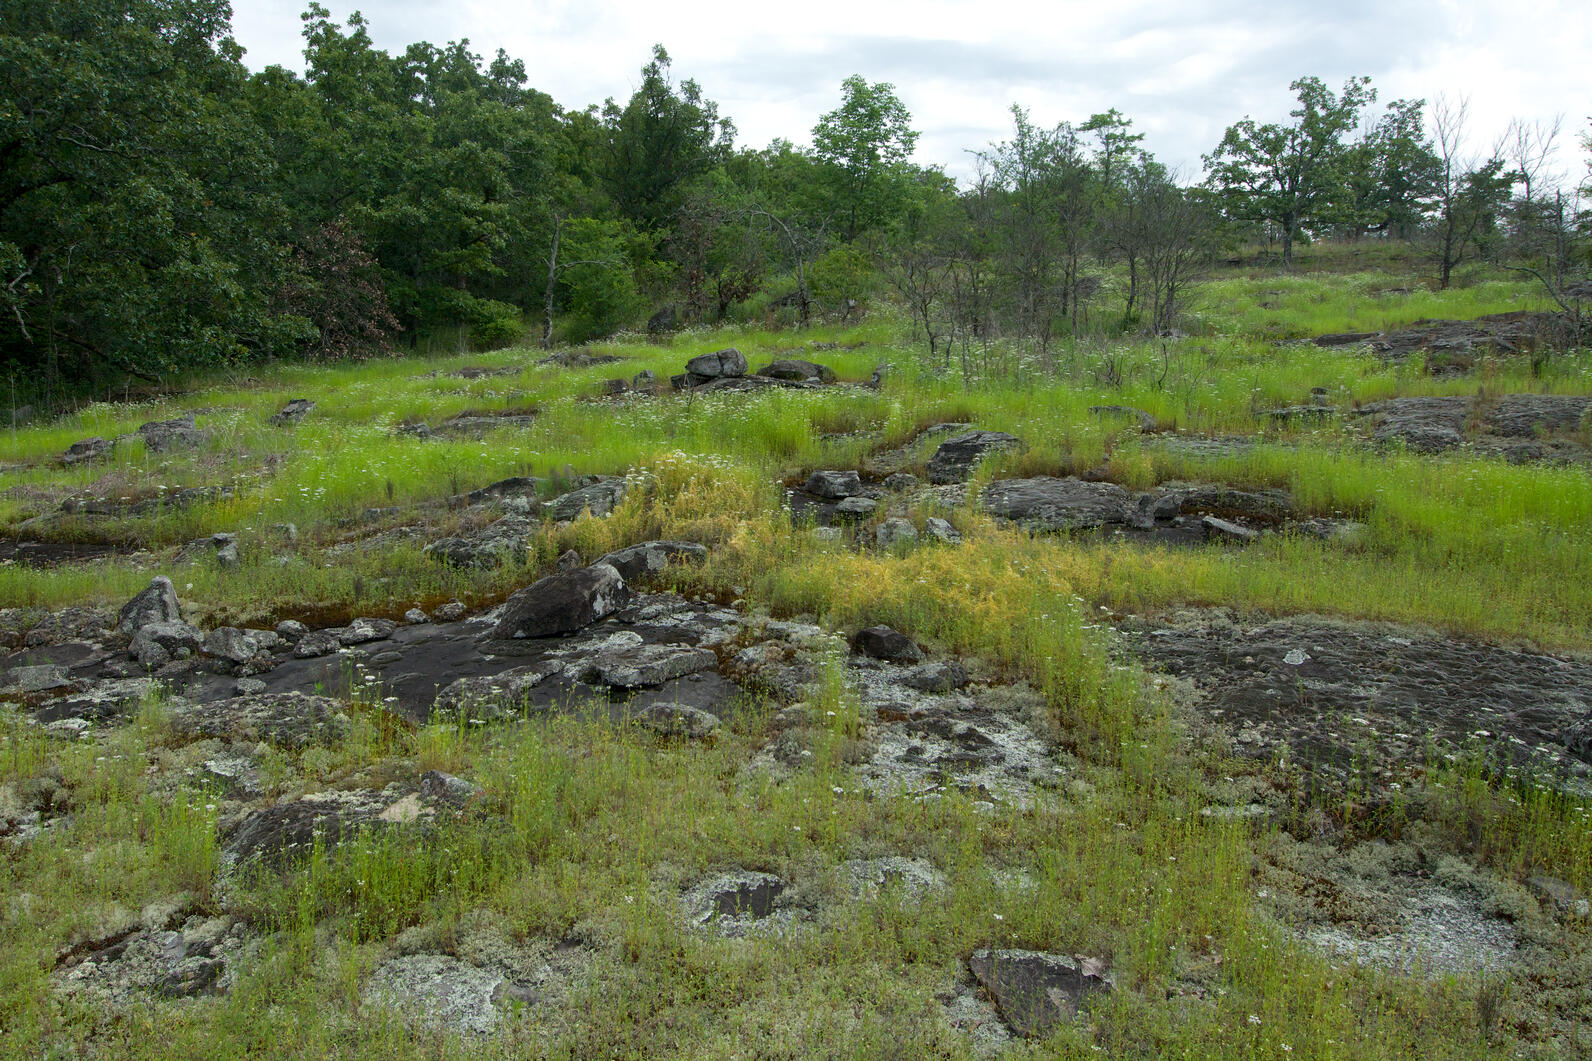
<point x="797" y="369"/>
<point x="318" y="643"/>
<point x="157" y="644"/>
<point x="881" y="642"/>
<point x="362" y="630"/>
<point x="230" y="643"/>
<point x="40" y="678"/>
<point x="599" y="498"/>
<point x="294" y="411"/>
<point x="161" y="435"/>
<point x="495" y="697"/>
<point x="678" y="720"/>
<point x="1426" y="425"/>
<point x="835" y="484"/>
<point x="1046" y="503"/>
<point x="633" y="666"/>
<point x="645" y="381"/>
<point x="563" y="603"/>
<point x="1035" y="992"/>
<point x="856" y="508"/>
<point x="502" y="542"/>
<point x="1270" y="506"/>
<point x="1527" y="415"/>
<point x="899" y="482"/>
<point x="942" y="676"/>
<point x="722" y="364"/>
<point x="451" y="612"/>
<point x="291" y="630"/>
<point x="286" y="831"/>
<point x="941" y="530"/>
<point x="287" y="720"/>
<point x="155" y="603"/>
<point x="86" y="450"/>
<point x="1221" y="530"/>
<point x="415" y="617"/>
<point x="650" y="558"/>
<point x="895" y="531"/>
<point x="953" y="462"/>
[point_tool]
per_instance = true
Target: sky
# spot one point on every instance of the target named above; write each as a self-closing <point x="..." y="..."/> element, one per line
<point x="1182" y="72"/>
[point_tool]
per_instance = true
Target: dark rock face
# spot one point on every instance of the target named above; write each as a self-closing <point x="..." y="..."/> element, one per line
<point x="650" y="558"/>
<point x="1046" y="503"/>
<point x="598" y="498"/>
<point x="881" y="642"/>
<point x="1426" y="425"/>
<point x="563" y="603"/>
<point x="86" y="450"/>
<point x="156" y="603"/>
<point x="953" y="462"/>
<point x="281" y="833"/>
<point x="501" y="542"/>
<point x="1034" y="991"/>
<point x="835" y="484"/>
<point x="161" y="435"/>
<point x="797" y="370"/>
<point x="721" y="364"/>
<point x="294" y="411"/>
<point x="157" y="644"/>
<point x="1524" y="415"/>
<point x="287" y="720"/>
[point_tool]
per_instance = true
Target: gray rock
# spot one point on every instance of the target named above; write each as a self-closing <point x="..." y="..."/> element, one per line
<point x="439" y="991"/>
<point x="504" y="541"/>
<point x="415" y="617"/>
<point x="230" y="643"/>
<point x="447" y="788"/>
<point x="942" y="676"/>
<point x="941" y="530"/>
<point x="650" y="558"/>
<point x="1222" y="530"/>
<point x="157" y="644"/>
<point x="563" y="603"/>
<point x="1527" y="415"/>
<point x="291" y="630"/>
<point x="1426" y="425"/>
<point x="161" y="435"/>
<point x="1035" y="992"/>
<point x="856" y="508"/>
<point x="599" y="498"/>
<point x="727" y="363"/>
<point x="495" y="697"/>
<point x="363" y="630"/>
<point x="797" y="369"/>
<point x="287" y="720"/>
<point x="1046" y="503"/>
<point x="294" y="411"/>
<point x="318" y="643"/>
<point x="900" y="482"/>
<point x="155" y="603"/>
<point x="450" y="612"/>
<point x="645" y="381"/>
<point x="953" y="462"/>
<point x="881" y="642"/>
<point x="893" y="531"/>
<point x="40" y="678"/>
<point x="86" y="450"/>
<point x="633" y="666"/>
<point x="678" y="720"/>
<point x="836" y="484"/>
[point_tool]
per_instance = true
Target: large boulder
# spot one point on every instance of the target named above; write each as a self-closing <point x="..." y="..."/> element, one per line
<point x="598" y="498"/>
<point x="836" y="484"/>
<point x="650" y="558"/>
<point x="157" y="644"/>
<point x="718" y="365"/>
<point x="1047" y="503"/>
<point x="797" y="370"/>
<point x="1424" y="424"/>
<point x="161" y="435"/>
<point x="953" y="462"/>
<point x="155" y="603"/>
<point x="883" y="642"/>
<point x="563" y="603"/>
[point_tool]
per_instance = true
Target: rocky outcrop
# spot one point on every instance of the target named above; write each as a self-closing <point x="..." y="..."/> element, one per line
<point x="1047" y="503"/>
<point x="647" y="559"/>
<point x="954" y="461"/>
<point x="1036" y="992"/>
<point x="797" y="370"/>
<point x="563" y="603"/>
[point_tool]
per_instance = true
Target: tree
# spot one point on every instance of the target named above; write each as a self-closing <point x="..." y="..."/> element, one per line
<point x="1289" y="175"/>
<point x="1470" y="193"/>
<point x="1391" y="174"/>
<point x="865" y="144"/>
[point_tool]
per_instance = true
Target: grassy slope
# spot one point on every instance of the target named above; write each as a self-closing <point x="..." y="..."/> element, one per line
<point x="1127" y="869"/>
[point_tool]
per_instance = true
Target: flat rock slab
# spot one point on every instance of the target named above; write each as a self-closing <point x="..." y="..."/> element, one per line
<point x="1527" y="415"/>
<point x="1334" y="691"/>
<point x="1036" y="992"/>
<point x="954" y="461"/>
<point x="187" y="960"/>
<point x="287" y="720"/>
<point x="1050" y="504"/>
<point x="1426" y="425"/>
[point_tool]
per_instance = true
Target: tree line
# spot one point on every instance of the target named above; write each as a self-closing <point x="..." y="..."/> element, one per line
<point x="163" y="208"/>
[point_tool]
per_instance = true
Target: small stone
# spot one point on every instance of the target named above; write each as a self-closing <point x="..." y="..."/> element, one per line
<point x="450" y="612"/>
<point x="893" y="531"/>
<point x="415" y="617"/>
<point x="941" y="530"/>
<point x="835" y="484"/>
<point x="856" y="508"/>
<point x="881" y="642"/>
<point x="678" y="720"/>
<point x="291" y="630"/>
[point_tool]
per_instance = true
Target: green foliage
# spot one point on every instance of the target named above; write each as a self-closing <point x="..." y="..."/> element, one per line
<point x="864" y="145"/>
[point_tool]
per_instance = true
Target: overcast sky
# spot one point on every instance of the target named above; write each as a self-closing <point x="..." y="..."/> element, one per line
<point x="1182" y="72"/>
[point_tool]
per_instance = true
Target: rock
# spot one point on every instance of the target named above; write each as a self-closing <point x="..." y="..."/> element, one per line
<point x="415" y="617"/>
<point x="563" y="603"/>
<point x="155" y="603"/>
<point x="633" y="666"/>
<point x="157" y="644"/>
<point x="953" y="462"/>
<point x="1046" y="503"/>
<point x="291" y="630"/>
<point x="161" y="435"/>
<point x="678" y="720"/>
<point x="441" y="992"/>
<point x="881" y="642"/>
<point x="286" y="831"/>
<point x="1035" y="992"/>
<point x="796" y="369"/>
<point x="614" y="387"/>
<point x="1222" y="530"/>
<point x="447" y="788"/>
<point x="941" y="530"/>
<point x="1562" y="896"/>
<point x="503" y="541"/>
<point x="599" y="498"/>
<point x="893" y="531"/>
<point x="450" y="612"/>
<point x="1146" y="421"/>
<point x="650" y="558"/>
<point x="743" y="895"/>
<point x="230" y="643"/>
<point x="1269" y="506"/>
<point x="1527" y="415"/>
<point x="940" y="677"/>
<point x="294" y="411"/>
<point x="86" y="450"/>
<point x="900" y="482"/>
<point x="495" y="697"/>
<point x="722" y="364"/>
<point x="856" y="508"/>
<point x="318" y="643"/>
<point x="362" y="630"/>
<point x="645" y="382"/>
<point x="287" y="720"/>
<point x="568" y="560"/>
<point x="835" y="484"/>
<point x="1425" y="425"/>
<point x="40" y="678"/>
